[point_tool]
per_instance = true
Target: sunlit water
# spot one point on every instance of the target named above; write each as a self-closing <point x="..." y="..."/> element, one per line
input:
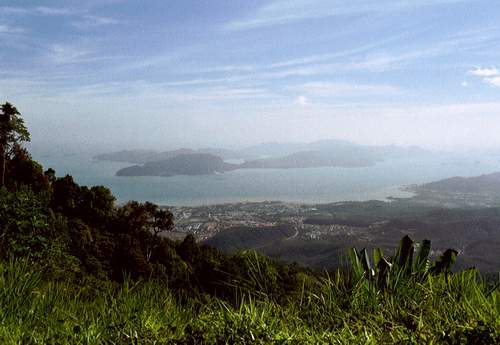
<point x="313" y="185"/>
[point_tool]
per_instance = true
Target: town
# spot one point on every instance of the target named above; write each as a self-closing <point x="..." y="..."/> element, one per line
<point x="205" y="222"/>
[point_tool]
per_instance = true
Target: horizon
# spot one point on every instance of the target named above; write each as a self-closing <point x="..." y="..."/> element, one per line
<point x="122" y="74"/>
<point x="43" y="148"/>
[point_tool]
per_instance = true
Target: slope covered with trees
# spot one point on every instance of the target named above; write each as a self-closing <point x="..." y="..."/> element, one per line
<point x="77" y="269"/>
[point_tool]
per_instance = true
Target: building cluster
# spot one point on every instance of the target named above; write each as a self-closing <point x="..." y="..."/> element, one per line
<point x="206" y="221"/>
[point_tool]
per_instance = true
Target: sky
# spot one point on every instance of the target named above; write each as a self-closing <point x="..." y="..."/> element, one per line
<point x="165" y="74"/>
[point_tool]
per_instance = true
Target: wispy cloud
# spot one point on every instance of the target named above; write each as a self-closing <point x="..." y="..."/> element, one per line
<point x="66" y="54"/>
<point x="327" y="90"/>
<point x="287" y="11"/>
<point x="81" y="18"/>
<point x="38" y="10"/>
<point x="8" y="29"/>
<point x="307" y="60"/>
<point x="375" y="57"/>
<point x="90" y="21"/>
<point x="12" y="10"/>
<point x="52" y="11"/>
<point x="167" y="92"/>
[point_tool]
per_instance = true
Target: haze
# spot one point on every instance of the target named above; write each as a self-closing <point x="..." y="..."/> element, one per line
<point x="164" y="74"/>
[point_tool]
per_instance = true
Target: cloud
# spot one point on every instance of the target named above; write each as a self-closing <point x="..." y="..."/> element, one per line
<point x="494" y="81"/>
<point x="66" y="54"/>
<point x="286" y="11"/>
<point x="89" y="21"/>
<point x="325" y="89"/>
<point x="7" y="29"/>
<point x="489" y="75"/>
<point x="484" y="72"/>
<point x="39" y="10"/>
<point x="11" y="10"/>
<point x="51" y="11"/>
<point x="81" y="17"/>
<point x="302" y="100"/>
<point x="370" y="57"/>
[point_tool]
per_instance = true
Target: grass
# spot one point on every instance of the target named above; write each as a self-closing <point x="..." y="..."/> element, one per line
<point x="458" y="309"/>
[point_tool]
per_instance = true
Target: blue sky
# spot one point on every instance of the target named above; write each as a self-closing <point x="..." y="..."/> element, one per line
<point x="166" y="74"/>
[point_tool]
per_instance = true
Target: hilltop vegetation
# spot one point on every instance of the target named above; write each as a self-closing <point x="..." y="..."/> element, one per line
<point x="77" y="269"/>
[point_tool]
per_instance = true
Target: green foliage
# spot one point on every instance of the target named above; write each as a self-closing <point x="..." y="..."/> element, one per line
<point x="25" y="225"/>
<point x="12" y="128"/>
<point x="450" y="310"/>
<point x="21" y="170"/>
<point x="387" y="273"/>
<point x="12" y="133"/>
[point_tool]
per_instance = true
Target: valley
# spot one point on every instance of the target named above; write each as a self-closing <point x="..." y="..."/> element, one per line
<point x="319" y="235"/>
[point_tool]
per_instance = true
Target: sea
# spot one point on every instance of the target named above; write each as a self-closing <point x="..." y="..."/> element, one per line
<point x="309" y="186"/>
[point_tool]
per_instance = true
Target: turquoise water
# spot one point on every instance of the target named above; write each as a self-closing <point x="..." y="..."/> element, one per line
<point x="313" y="185"/>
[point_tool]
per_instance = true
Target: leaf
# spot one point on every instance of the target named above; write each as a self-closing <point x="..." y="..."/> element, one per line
<point x="365" y="261"/>
<point x="383" y="269"/>
<point x="422" y="260"/>
<point x="377" y="256"/>
<point x="404" y="254"/>
<point x="355" y="263"/>
<point x="445" y="262"/>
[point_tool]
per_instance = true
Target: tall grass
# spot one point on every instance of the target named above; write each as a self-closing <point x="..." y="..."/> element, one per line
<point x="456" y="309"/>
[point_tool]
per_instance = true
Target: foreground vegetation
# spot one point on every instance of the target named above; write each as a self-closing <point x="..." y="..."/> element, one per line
<point x="454" y="310"/>
<point x="77" y="269"/>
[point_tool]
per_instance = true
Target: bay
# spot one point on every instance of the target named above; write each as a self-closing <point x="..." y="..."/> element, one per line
<point x="311" y="185"/>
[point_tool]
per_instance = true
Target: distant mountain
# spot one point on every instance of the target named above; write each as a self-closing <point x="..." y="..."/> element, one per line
<point x="324" y="153"/>
<point x="127" y="156"/>
<point x="183" y="164"/>
<point x="140" y="156"/>
<point x="225" y="154"/>
<point x="283" y="149"/>
<point x="145" y="156"/>
<point x="313" y="159"/>
<point x="268" y="150"/>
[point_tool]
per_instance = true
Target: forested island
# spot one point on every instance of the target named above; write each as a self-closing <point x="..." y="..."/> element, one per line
<point x="182" y="164"/>
<point x="77" y="268"/>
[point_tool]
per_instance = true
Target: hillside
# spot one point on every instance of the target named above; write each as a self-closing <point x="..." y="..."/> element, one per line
<point x="459" y="192"/>
<point x="484" y="184"/>
<point x="242" y="238"/>
<point x="321" y="238"/>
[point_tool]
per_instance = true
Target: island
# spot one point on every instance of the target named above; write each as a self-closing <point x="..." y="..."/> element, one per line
<point x="203" y="161"/>
<point x="183" y="164"/>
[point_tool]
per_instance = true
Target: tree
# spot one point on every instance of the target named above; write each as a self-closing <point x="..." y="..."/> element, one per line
<point x="160" y="220"/>
<point x="12" y="133"/>
<point x="21" y="169"/>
